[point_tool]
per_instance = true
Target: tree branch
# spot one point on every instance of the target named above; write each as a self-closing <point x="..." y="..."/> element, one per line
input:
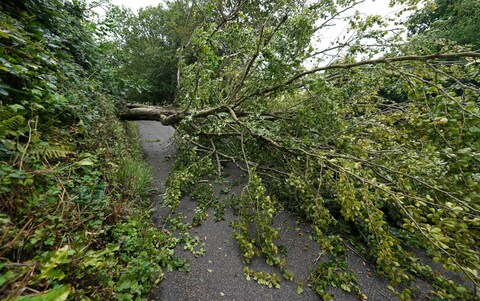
<point x="384" y="60"/>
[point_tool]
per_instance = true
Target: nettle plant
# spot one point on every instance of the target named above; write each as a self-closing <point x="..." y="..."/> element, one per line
<point x="379" y="139"/>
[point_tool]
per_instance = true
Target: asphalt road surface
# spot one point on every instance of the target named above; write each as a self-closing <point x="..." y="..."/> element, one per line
<point x="218" y="275"/>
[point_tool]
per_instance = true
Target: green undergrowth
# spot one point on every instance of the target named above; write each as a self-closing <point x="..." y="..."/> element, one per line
<point x="74" y="190"/>
<point x="80" y="227"/>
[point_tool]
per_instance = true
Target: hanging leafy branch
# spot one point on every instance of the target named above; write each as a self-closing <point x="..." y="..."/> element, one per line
<point x="385" y="147"/>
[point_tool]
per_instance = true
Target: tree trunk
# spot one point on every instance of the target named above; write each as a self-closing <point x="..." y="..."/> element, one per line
<point x="166" y="115"/>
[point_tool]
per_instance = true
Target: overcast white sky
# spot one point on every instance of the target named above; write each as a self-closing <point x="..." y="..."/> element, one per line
<point x="369" y="7"/>
<point x="136" y="4"/>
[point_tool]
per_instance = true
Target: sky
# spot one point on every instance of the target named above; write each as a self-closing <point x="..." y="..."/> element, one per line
<point x="369" y="7"/>
<point x="136" y="4"/>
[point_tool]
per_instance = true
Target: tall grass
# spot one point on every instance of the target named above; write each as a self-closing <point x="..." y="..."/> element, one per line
<point x="133" y="173"/>
<point x="135" y="176"/>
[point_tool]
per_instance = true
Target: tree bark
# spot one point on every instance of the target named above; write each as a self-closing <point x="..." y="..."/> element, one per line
<point x="166" y="115"/>
<point x="171" y="115"/>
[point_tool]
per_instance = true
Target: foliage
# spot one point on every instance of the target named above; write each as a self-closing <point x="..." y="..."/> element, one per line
<point x="385" y="149"/>
<point x="74" y="219"/>
<point x="257" y="209"/>
<point x="146" y="45"/>
<point x="334" y="272"/>
<point x="456" y="20"/>
<point x="263" y="278"/>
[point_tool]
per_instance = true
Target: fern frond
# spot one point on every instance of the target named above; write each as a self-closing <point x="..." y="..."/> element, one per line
<point x="12" y="123"/>
<point x="56" y="152"/>
<point x="51" y="151"/>
<point x="6" y="113"/>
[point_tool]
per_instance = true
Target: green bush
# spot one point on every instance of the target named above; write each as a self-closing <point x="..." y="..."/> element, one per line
<point x="74" y="221"/>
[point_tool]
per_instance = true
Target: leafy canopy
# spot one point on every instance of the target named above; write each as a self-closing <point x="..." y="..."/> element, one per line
<point x="385" y="149"/>
<point x="456" y="20"/>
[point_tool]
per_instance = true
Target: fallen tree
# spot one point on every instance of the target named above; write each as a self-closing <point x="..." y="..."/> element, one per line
<point x="384" y="152"/>
<point x="166" y="115"/>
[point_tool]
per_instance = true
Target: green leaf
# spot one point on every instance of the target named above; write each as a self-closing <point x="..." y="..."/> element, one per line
<point x="299" y="289"/>
<point x="17" y="107"/>
<point x="84" y="162"/>
<point x="60" y="293"/>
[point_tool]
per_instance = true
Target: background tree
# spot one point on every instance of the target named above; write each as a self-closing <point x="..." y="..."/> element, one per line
<point x="455" y="20"/>
<point x="147" y="45"/>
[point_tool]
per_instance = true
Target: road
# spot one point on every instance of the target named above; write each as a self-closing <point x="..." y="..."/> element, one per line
<point x="218" y="275"/>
